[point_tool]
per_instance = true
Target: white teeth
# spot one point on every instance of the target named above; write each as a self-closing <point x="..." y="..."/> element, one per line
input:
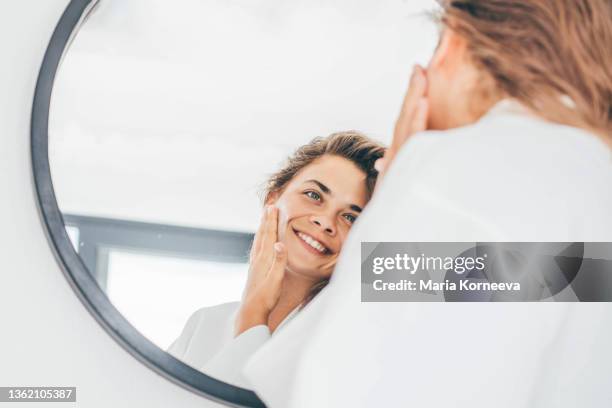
<point x="312" y="242"/>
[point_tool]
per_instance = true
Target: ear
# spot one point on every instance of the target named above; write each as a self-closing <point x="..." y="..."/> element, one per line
<point x="272" y="198"/>
<point x="449" y="54"/>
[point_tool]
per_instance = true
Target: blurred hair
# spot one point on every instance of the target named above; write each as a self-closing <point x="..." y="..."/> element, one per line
<point x="553" y="56"/>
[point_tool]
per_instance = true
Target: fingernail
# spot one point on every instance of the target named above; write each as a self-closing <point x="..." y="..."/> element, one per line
<point x="278" y="247"/>
<point x="269" y="209"/>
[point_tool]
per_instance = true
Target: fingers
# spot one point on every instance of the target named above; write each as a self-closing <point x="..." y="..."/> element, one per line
<point x="416" y="91"/>
<point x="267" y="231"/>
<point x="418" y="123"/>
<point x="257" y="240"/>
<point x="277" y="271"/>
<point x="259" y="300"/>
<point x="271" y="229"/>
<point x="262" y="252"/>
<point x="413" y="118"/>
<point x="419" y="120"/>
<point x="265" y="252"/>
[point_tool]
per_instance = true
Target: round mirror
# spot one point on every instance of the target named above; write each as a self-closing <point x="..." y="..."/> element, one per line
<point x="157" y="127"/>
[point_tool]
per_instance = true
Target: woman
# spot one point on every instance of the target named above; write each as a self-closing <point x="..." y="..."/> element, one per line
<point x="551" y="60"/>
<point x="503" y="137"/>
<point x="311" y="204"/>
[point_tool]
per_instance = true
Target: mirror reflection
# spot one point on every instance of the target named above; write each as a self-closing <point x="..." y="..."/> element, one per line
<point x="174" y="126"/>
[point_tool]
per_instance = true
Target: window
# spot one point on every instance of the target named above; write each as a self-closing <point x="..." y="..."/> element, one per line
<point x="157" y="294"/>
<point x="157" y="275"/>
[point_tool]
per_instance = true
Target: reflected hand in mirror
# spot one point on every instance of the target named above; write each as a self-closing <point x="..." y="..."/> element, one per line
<point x="267" y="268"/>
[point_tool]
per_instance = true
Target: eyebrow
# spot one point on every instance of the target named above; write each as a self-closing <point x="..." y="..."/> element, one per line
<point x="326" y="190"/>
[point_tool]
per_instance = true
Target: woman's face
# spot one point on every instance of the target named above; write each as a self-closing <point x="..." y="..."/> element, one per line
<point x="316" y="211"/>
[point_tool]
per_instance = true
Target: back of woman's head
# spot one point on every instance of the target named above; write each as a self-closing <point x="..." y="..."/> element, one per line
<point x="553" y="56"/>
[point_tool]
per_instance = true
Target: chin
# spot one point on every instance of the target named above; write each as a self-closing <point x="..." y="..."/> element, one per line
<point x="300" y="268"/>
<point x="306" y="270"/>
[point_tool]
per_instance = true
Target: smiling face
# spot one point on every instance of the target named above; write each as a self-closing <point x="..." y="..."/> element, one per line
<point x="317" y="209"/>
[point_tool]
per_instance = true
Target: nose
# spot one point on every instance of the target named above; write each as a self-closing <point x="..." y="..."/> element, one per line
<point x="326" y="223"/>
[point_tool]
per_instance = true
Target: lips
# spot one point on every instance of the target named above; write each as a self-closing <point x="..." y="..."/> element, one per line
<point x="310" y="243"/>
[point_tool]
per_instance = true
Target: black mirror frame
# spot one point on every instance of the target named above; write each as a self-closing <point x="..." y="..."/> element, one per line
<point x="79" y="278"/>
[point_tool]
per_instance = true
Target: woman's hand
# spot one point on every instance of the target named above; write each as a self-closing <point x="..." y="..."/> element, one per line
<point x="267" y="269"/>
<point x="412" y="118"/>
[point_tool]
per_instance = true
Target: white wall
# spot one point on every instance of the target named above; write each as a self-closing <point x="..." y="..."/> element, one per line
<point x="177" y="111"/>
<point x="47" y="337"/>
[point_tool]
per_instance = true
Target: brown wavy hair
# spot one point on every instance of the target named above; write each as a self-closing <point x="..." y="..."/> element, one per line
<point x="351" y="145"/>
<point x="553" y="56"/>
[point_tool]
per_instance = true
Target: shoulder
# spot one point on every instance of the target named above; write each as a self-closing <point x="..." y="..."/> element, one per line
<point x="212" y="316"/>
<point x="505" y="177"/>
<point x="205" y="331"/>
<point x="510" y="150"/>
<point x="518" y="139"/>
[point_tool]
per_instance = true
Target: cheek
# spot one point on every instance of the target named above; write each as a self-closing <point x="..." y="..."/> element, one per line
<point x="342" y="235"/>
<point x="288" y="209"/>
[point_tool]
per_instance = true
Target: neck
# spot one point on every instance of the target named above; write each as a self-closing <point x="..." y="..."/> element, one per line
<point x="464" y="100"/>
<point x="294" y="290"/>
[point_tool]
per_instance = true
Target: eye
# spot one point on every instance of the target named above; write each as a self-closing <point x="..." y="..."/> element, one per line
<point x="350" y="217"/>
<point x="313" y="195"/>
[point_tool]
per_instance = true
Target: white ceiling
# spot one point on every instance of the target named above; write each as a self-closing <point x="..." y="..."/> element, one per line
<point x="175" y="111"/>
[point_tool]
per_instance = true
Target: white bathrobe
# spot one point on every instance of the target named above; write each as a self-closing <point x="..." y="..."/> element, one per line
<point x="509" y="177"/>
<point x="207" y="342"/>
